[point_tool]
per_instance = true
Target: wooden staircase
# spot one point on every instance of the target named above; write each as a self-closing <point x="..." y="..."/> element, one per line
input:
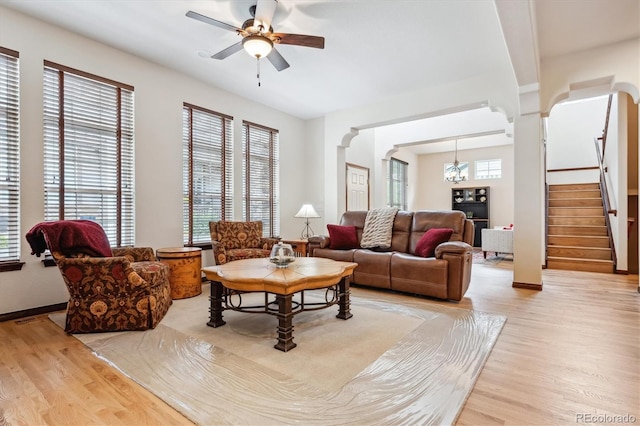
<point x="577" y="232"/>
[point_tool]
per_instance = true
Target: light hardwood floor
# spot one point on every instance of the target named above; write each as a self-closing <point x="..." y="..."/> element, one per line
<point x="566" y="353"/>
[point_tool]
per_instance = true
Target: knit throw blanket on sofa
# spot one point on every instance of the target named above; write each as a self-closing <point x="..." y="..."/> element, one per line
<point x="377" y="228"/>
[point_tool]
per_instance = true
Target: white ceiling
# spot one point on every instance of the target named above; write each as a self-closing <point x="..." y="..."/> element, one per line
<point x="567" y="26"/>
<point x="374" y="49"/>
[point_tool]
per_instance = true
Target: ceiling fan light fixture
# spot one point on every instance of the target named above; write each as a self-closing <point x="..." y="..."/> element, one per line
<point x="257" y="45"/>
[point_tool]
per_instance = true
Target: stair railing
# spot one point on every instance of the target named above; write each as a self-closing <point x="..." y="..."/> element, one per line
<point x="606" y="125"/>
<point x="604" y="192"/>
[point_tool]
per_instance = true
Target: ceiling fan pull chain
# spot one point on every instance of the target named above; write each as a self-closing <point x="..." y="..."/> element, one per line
<point x="258" y="75"/>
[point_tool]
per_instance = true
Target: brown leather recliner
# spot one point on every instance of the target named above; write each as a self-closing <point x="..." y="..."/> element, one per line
<point x="446" y="275"/>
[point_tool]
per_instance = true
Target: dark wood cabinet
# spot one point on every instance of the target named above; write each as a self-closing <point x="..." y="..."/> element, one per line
<point x="475" y="203"/>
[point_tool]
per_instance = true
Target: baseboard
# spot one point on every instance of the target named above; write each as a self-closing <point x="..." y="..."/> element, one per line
<point x="621" y="272"/>
<point x="528" y="286"/>
<point x="33" y="311"/>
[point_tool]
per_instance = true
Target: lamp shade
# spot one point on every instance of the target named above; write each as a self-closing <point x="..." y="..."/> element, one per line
<point x="257" y="46"/>
<point x="307" y="210"/>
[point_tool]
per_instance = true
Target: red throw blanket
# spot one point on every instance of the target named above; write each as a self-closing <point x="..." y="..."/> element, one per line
<point x="69" y="237"/>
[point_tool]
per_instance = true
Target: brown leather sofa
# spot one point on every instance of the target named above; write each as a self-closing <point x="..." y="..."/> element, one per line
<point x="444" y="276"/>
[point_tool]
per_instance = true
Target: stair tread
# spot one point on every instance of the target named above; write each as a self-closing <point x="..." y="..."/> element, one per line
<point x="600" y="237"/>
<point x="575" y="259"/>
<point x="552" y="189"/>
<point x="579" y="247"/>
<point x="573" y="217"/>
<point x="580" y="226"/>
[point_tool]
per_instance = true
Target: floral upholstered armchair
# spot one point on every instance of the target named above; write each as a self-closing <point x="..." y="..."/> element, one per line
<point x="239" y="240"/>
<point x="109" y="290"/>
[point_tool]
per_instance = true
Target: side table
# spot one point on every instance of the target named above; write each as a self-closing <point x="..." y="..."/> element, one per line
<point x="185" y="264"/>
<point x="299" y="247"/>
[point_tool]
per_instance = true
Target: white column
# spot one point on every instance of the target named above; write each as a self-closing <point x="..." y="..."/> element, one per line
<point x="528" y="237"/>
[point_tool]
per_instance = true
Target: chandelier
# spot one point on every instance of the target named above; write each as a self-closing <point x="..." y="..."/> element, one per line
<point x="454" y="174"/>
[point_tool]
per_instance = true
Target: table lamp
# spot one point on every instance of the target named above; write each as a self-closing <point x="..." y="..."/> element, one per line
<point x="307" y="211"/>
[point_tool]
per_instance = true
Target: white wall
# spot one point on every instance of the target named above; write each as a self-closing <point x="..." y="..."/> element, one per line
<point x="615" y="158"/>
<point x="497" y="89"/>
<point x="572" y="127"/>
<point x="159" y="94"/>
<point x="313" y="166"/>
<point x="593" y="72"/>
<point x="433" y="193"/>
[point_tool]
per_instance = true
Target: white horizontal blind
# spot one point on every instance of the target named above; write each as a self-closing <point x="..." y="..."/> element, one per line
<point x="207" y="174"/>
<point x="9" y="156"/>
<point x="89" y="151"/>
<point x="397" y="184"/>
<point x="260" y="177"/>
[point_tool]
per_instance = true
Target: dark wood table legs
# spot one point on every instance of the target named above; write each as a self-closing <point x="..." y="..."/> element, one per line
<point x="215" y="319"/>
<point x="344" y="304"/>
<point x="285" y="323"/>
<point x="285" y="311"/>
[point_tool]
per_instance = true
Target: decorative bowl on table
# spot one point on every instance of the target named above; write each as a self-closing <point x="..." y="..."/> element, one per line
<point x="282" y="255"/>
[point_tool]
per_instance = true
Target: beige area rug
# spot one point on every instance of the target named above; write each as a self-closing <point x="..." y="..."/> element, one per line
<point x="492" y="258"/>
<point x="391" y="363"/>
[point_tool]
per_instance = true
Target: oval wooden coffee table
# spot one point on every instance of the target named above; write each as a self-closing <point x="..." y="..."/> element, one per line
<point x="260" y="275"/>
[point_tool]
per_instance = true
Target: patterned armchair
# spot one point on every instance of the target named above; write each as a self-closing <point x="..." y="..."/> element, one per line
<point x="109" y="289"/>
<point x="129" y="291"/>
<point x="239" y="240"/>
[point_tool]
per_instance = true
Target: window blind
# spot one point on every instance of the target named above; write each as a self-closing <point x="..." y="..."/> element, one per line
<point x="207" y="176"/>
<point x="89" y="151"/>
<point x="260" y="177"/>
<point x="9" y="156"/>
<point x="397" y="184"/>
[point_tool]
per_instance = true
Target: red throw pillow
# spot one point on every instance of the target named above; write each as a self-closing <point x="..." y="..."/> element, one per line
<point x="342" y="237"/>
<point x="426" y="247"/>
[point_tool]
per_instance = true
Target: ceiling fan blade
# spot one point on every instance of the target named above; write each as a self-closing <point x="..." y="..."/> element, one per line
<point x="211" y="21"/>
<point x="264" y="12"/>
<point x="228" y="51"/>
<point x="277" y="60"/>
<point x="299" y="40"/>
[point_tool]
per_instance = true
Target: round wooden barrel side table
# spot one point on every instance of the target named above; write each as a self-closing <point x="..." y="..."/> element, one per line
<point x="185" y="264"/>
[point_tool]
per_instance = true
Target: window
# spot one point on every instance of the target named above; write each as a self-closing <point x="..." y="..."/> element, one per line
<point x="489" y="169"/>
<point x="206" y="172"/>
<point x="397" y="184"/>
<point x="88" y="151"/>
<point x="260" y="172"/>
<point x="9" y="157"/>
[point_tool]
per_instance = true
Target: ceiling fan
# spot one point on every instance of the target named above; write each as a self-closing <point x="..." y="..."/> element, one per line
<point x="258" y="37"/>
